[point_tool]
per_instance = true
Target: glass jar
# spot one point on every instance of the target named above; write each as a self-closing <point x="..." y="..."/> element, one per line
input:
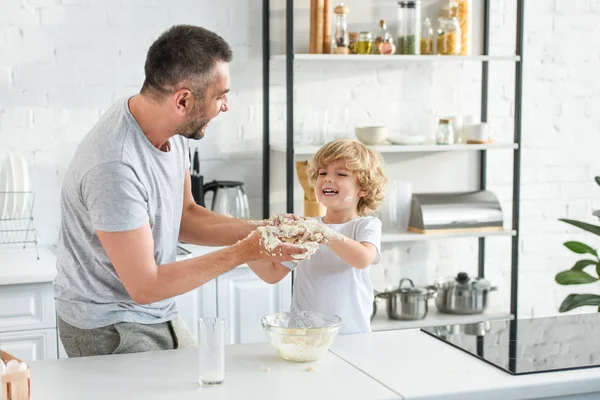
<point x="342" y="41"/>
<point x="353" y="38"/>
<point x="449" y="37"/>
<point x="445" y="132"/>
<point x="427" y="37"/>
<point x="364" y="43"/>
<point x="409" y="27"/>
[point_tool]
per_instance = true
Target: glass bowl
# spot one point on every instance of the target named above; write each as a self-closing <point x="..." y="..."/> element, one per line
<point x="301" y="336"/>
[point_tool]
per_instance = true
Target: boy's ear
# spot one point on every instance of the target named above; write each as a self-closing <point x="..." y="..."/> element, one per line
<point x="362" y="193"/>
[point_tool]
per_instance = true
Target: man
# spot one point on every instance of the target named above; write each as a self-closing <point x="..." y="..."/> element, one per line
<point x="126" y="200"/>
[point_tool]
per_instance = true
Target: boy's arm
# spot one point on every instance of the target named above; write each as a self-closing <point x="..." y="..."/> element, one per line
<point x="270" y="272"/>
<point x="359" y="255"/>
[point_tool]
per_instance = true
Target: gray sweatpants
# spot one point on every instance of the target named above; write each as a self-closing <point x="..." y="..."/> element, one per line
<point x="125" y="337"/>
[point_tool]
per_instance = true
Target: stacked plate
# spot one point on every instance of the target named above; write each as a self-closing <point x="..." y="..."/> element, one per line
<point x="14" y="187"/>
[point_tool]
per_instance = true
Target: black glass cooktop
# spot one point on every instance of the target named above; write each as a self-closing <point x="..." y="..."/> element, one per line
<point x="527" y="346"/>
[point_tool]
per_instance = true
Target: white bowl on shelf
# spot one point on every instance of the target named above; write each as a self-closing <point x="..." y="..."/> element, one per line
<point x="372" y="135"/>
<point x="407" y="139"/>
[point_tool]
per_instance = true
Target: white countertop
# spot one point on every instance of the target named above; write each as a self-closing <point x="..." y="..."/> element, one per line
<point x="418" y="366"/>
<point x="173" y="375"/>
<point x="19" y="266"/>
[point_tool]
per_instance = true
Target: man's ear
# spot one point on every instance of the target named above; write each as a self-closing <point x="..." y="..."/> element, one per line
<point x="183" y="100"/>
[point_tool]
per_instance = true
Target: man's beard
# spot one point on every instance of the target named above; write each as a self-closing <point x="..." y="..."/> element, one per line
<point x="194" y="128"/>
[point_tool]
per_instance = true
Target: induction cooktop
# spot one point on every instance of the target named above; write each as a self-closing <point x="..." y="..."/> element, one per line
<point x="527" y="346"/>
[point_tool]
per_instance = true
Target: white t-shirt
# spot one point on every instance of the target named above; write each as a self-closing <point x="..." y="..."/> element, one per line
<point x="327" y="284"/>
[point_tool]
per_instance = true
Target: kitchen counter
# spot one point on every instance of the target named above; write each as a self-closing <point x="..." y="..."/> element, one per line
<point x="406" y="365"/>
<point x="418" y="366"/>
<point x="173" y="375"/>
<point x="20" y="266"/>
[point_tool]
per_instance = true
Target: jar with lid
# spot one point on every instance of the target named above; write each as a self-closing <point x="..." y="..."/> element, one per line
<point x="353" y="38"/>
<point x="449" y="37"/>
<point x="427" y="37"/>
<point x="364" y="43"/>
<point x="445" y="132"/>
<point x="382" y="37"/>
<point x="459" y="9"/>
<point x="342" y="41"/>
<point x="409" y="26"/>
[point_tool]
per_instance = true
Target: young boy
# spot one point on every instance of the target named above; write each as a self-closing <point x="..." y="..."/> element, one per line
<point x="350" y="182"/>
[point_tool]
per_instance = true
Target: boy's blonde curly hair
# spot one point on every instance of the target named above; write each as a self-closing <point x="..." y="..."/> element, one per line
<point x="365" y="163"/>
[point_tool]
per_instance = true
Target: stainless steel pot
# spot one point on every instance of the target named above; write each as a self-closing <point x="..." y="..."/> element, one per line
<point x="407" y="302"/>
<point x="463" y="295"/>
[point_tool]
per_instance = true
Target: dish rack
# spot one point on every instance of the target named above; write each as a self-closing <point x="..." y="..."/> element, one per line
<point x="16" y="225"/>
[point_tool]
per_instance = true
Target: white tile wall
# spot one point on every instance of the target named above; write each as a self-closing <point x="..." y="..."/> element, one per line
<point x="63" y="62"/>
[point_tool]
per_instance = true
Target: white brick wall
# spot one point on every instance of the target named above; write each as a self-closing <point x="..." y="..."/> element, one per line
<point x="63" y="62"/>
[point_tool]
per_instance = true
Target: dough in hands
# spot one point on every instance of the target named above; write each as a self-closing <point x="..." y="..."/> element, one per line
<point x="301" y="232"/>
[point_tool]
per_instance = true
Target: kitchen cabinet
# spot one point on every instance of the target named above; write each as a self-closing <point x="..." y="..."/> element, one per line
<point x="28" y="321"/>
<point x="31" y="345"/>
<point x="198" y="303"/>
<point x="243" y="299"/>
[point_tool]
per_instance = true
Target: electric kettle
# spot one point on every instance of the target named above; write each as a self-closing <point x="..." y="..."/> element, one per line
<point x="228" y="197"/>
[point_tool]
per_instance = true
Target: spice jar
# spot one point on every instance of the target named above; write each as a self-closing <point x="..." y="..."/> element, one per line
<point x="364" y="44"/>
<point x="445" y="132"/>
<point x="353" y="38"/>
<point x="427" y="37"/>
<point x="449" y="39"/>
<point x="409" y="27"/>
<point x="387" y="47"/>
<point x="342" y="40"/>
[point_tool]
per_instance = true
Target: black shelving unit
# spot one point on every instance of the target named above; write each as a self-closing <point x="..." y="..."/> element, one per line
<point x="289" y="157"/>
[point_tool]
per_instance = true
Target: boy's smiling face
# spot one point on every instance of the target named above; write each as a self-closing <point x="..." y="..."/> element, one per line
<point x="337" y="188"/>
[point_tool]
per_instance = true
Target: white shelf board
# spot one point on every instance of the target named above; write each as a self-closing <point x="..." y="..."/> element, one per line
<point x="421" y="148"/>
<point x="381" y="322"/>
<point x="392" y="58"/>
<point x="415" y="237"/>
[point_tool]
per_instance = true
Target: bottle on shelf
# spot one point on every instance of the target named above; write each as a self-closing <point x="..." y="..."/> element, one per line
<point x="409" y="27"/>
<point x="383" y="36"/>
<point x="449" y="37"/>
<point x="445" y="132"/>
<point x="342" y="40"/>
<point x="427" y="37"/>
<point x="364" y="43"/>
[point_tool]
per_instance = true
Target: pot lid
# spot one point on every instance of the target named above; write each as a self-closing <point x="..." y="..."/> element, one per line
<point x="464" y="281"/>
<point x="407" y="286"/>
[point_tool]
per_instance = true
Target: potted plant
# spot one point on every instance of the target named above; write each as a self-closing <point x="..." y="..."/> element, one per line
<point x="577" y="274"/>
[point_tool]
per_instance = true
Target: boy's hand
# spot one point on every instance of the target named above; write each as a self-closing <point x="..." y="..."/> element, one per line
<point x="328" y="234"/>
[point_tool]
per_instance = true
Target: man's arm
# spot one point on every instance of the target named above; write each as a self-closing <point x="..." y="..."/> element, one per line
<point x="269" y="271"/>
<point x="204" y="227"/>
<point x="132" y="255"/>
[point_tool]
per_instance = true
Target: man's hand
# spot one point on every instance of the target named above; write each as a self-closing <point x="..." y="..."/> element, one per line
<point x="257" y="250"/>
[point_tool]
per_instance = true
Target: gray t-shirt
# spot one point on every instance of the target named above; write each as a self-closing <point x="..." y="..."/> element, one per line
<point x="327" y="284"/>
<point x="117" y="181"/>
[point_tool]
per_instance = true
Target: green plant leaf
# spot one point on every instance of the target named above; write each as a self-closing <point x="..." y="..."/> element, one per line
<point x="580" y="248"/>
<point x="578" y="300"/>
<point x="581" y="264"/>
<point x="597" y="179"/>
<point x="574" y="277"/>
<point x="595" y="229"/>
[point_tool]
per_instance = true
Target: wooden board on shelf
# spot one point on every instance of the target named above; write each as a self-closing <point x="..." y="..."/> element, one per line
<point x="381" y="322"/>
